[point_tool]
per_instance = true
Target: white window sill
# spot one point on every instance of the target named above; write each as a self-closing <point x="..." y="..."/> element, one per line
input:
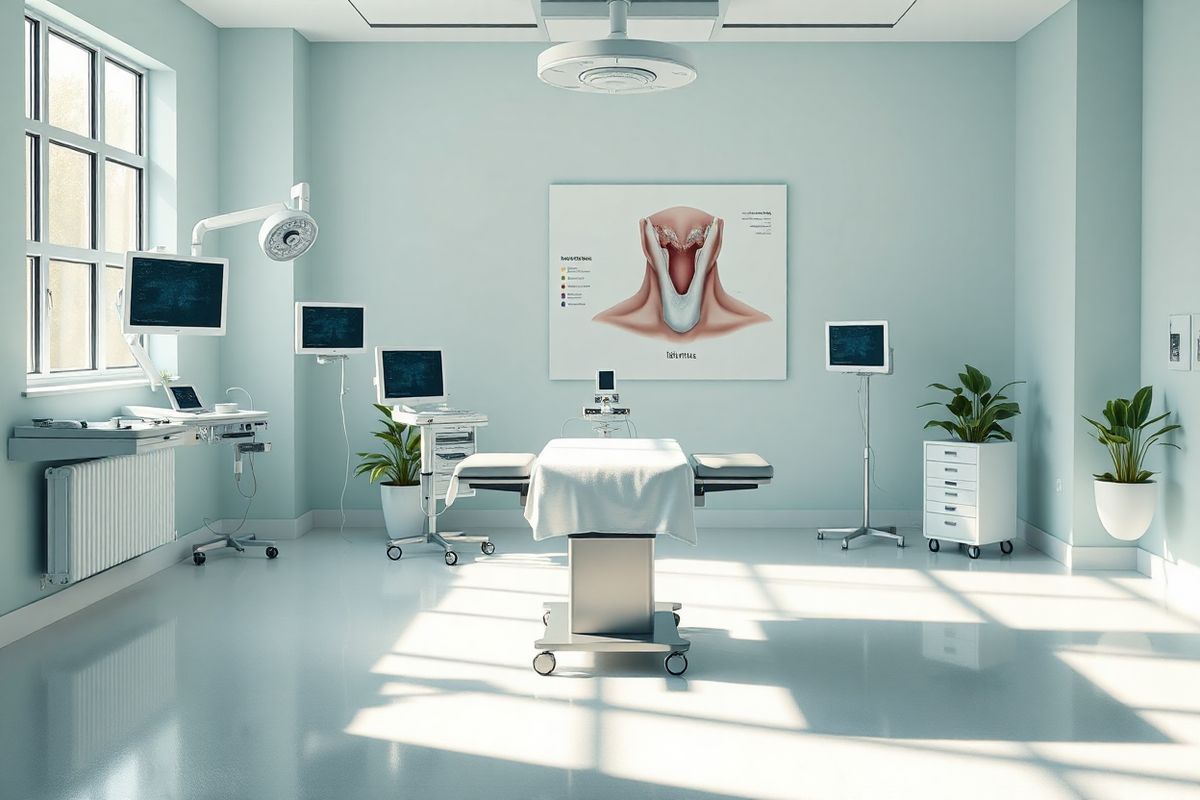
<point x="56" y="387"/>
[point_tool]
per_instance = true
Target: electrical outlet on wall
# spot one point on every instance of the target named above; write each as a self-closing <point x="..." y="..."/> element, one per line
<point x="1058" y="485"/>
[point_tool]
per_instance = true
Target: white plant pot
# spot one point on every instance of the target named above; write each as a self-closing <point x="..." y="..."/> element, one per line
<point x="402" y="510"/>
<point x="1126" y="509"/>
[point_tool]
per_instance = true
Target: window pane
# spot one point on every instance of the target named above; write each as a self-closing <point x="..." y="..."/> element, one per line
<point x="30" y="314"/>
<point x="31" y="154"/>
<point x="121" y="107"/>
<point x="70" y="86"/>
<point x="30" y="67"/>
<point x="70" y="196"/>
<point x="121" y="207"/>
<point x="116" y="351"/>
<point x="70" y="318"/>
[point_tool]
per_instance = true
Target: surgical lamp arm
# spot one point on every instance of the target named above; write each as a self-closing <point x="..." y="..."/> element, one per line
<point x="300" y="202"/>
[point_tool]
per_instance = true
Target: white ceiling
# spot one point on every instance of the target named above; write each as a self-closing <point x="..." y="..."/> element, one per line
<point x="740" y="20"/>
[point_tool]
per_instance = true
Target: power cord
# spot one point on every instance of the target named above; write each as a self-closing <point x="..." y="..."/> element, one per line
<point x="862" y="420"/>
<point x="237" y="480"/>
<point x="346" y="438"/>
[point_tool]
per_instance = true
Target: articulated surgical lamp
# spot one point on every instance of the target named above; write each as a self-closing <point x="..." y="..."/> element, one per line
<point x="287" y="230"/>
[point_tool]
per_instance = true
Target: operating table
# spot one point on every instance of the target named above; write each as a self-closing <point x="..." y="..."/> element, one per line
<point x="611" y="605"/>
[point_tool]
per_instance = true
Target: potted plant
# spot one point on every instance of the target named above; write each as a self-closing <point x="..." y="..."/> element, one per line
<point x="977" y="410"/>
<point x="1126" y="497"/>
<point x="398" y="470"/>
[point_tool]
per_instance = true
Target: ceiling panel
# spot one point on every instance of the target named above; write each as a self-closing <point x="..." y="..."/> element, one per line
<point x="666" y="30"/>
<point x="816" y="12"/>
<point x="473" y="13"/>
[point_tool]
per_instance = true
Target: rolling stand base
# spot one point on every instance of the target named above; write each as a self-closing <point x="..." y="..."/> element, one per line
<point x="445" y="540"/>
<point x="850" y="534"/>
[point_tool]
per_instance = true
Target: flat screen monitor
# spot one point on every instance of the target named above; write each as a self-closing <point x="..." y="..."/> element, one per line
<point x="184" y="397"/>
<point x="409" y="376"/>
<point x="606" y="380"/>
<point x="166" y="293"/>
<point x="330" y="329"/>
<point x="858" y="346"/>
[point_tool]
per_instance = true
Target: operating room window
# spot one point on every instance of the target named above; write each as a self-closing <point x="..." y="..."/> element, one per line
<point x="85" y="201"/>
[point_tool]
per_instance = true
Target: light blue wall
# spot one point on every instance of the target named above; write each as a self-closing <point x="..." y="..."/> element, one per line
<point x="1078" y="247"/>
<point x="170" y="34"/>
<point x="1046" y="65"/>
<point x="431" y="166"/>
<point x="1170" y="244"/>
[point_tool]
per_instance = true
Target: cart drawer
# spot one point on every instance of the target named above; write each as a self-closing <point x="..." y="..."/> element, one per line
<point x="953" y="484"/>
<point x="954" y="528"/>
<point x="952" y="471"/>
<point x="951" y="495"/>
<point x="951" y="451"/>
<point x="954" y="509"/>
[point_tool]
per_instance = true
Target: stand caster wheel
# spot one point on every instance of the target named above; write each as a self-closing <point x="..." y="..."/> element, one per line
<point x="676" y="663"/>
<point x="820" y="536"/>
<point x="546" y="618"/>
<point x="272" y="552"/>
<point x="900" y="542"/>
<point x="544" y="663"/>
<point x="845" y="544"/>
<point x="675" y="616"/>
<point x="488" y="548"/>
<point x="451" y="558"/>
<point x="1006" y="548"/>
<point x="394" y="552"/>
<point x="973" y="551"/>
<point x="934" y="545"/>
<point x="199" y="558"/>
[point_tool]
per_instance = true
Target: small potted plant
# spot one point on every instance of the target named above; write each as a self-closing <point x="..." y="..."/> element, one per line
<point x="977" y="410"/>
<point x="1127" y="496"/>
<point x="398" y="470"/>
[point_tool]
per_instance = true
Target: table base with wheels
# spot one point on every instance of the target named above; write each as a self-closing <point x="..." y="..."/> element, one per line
<point x="973" y="550"/>
<point x="239" y="543"/>
<point x="664" y="638"/>
<point x="850" y="534"/>
<point x="445" y="540"/>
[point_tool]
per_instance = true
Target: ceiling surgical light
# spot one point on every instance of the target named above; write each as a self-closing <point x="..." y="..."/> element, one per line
<point x="287" y="231"/>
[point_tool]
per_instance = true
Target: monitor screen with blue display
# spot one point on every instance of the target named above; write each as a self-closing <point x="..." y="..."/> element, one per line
<point x="330" y="329"/>
<point x="408" y="376"/>
<point x="860" y="346"/>
<point x="166" y="293"/>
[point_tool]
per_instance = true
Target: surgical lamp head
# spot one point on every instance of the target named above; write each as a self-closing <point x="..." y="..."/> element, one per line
<point x="287" y="231"/>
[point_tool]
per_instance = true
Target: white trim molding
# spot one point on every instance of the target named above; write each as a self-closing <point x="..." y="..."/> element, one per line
<point x="1076" y="557"/>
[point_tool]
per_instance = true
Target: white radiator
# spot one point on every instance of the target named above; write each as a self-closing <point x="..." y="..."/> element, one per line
<point x="100" y="513"/>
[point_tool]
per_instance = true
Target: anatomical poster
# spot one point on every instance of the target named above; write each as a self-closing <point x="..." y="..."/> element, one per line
<point x="668" y="282"/>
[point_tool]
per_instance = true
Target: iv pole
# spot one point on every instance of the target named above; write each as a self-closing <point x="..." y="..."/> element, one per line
<point x="866" y="529"/>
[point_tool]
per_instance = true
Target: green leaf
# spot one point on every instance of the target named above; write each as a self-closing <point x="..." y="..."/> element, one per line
<point x="945" y="388"/>
<point x="1139" y="407"/>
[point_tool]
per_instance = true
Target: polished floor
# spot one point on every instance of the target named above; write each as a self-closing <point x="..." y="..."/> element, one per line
<point x="815" y="673"/>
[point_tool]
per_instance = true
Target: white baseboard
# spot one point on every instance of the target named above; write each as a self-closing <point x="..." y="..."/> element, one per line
<point x="705" y="518"/>
<point x="1176" y="582"/>
<point x="1079" y="558"/>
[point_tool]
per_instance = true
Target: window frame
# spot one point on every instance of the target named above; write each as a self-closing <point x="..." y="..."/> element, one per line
<point x="40" y="249"/>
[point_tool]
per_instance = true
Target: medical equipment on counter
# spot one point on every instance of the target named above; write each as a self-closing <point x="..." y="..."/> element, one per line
<point x="186" y="399"/>
<point x="413" y="378"/>
<point x="605" y="416"/>
<point x="579" y="486"/>
<point x="49" y="440"/>
<point x="862" y="348"/>
<point x="287" y="231"/>
<point x="448" y="437"/>
<point x="330" y="329"/>
<point x="225" y="408"/>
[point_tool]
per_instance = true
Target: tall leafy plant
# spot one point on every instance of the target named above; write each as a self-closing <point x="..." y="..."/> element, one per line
<point x="400" y="462"/>
<point x="976" y="409"/>
<point x="1126" y="438"/>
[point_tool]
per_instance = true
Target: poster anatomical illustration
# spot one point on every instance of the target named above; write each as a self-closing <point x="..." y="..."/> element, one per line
<point x="668" y="282"/>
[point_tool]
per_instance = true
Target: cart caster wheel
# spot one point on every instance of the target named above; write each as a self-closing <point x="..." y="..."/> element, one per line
<point x="973" y="551"/>
<point x="1006" y="548"/>
<point x="676" y="663"/>
<point x="199" y="558"/>
<point x="272" y="552"/>
<point x="900" y="542"/>
<point x="451" y="558"/>
<point x="394" y="553"/>
<point x="544" y="663"/>
<point x="546" y="618"/>
<point x="488" y="548"/>
<point x="820" y="536"/>
<point x="934" y="545"/>
<point x="845" y="544"/>
<point x="675" y="616"/>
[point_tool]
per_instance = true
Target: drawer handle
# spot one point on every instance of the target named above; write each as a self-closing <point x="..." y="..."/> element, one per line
<point x="952" y="494"/>
<point x="952" y="483"/>
<point x="950" y="452"/>
<point x="951" y="469"/>
<point x="951" y="524"/>
<point x="951" y="508"/>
